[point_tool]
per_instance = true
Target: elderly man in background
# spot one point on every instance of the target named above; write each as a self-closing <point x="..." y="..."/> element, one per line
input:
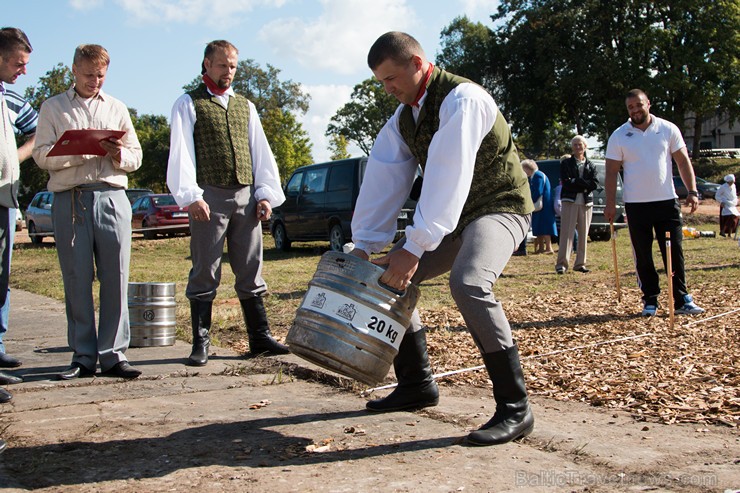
<point x="578" y="180"/>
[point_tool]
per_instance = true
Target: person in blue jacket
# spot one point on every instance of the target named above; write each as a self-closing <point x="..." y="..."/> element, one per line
<point x="543" y="218"/>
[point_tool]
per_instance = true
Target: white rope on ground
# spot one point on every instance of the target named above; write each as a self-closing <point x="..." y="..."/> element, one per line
<point x="711" y="318"/>
<point x="481" y="367"/>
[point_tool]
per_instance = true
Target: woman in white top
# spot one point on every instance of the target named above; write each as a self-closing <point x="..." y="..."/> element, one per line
<point x="728" y="213"/>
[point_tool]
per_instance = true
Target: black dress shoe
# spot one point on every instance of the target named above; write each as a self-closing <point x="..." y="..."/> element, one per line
<point x="8" y="379"/>
<point x="75" y="370"/>
<point x="7" y="361"/>
<point x="5" y="396"/>
<point x="582" y="269"/>
<point x="123" y="369"/>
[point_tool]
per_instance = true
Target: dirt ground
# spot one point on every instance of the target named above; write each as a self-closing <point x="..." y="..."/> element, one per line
<point x="281" y="424"/>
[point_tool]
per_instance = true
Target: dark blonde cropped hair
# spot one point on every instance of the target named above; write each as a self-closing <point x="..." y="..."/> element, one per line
<point x="91" y="53"/>
<point x="12" y="40"/>
<point x="219" y="44"/>
<point x="396" y="46"/>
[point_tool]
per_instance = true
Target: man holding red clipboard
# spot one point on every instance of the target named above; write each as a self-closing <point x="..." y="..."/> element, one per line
<point x="87" y="142"/>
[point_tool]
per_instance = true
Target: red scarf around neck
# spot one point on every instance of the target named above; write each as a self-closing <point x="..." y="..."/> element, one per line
<point x="213" y="87"/>
<point x="423" y="87"/>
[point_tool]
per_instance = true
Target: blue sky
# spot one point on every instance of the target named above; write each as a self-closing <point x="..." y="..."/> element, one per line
<point x="156" y="46"/>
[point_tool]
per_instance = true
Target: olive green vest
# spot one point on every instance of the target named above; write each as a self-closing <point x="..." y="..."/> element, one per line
<point x="499" y="183"/>
<point x="221" y="138"/>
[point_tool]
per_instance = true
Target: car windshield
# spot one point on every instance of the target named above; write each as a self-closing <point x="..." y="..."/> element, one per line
<point x="165" y="200"/>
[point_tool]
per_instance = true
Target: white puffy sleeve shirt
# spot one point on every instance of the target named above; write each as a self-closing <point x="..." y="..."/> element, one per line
<point x="466" y="116"/>
<point x="181" y="176"/>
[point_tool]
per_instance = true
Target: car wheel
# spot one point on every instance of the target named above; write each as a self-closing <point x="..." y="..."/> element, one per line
<point x="35" y="238"/>
<point x="280" y="236"/>
<point x="336" y="238"/>
<point x="148" y="234"/>
<point x="601" y="236"/>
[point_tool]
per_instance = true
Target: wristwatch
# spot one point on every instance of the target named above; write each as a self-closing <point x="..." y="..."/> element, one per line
<point x="694" y="193"/>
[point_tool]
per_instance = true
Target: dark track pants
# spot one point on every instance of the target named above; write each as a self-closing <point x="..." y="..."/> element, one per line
<point x="643" y="219"/>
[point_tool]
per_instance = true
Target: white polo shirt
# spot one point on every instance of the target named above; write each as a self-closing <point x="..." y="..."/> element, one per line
<point x="646" y="159"/>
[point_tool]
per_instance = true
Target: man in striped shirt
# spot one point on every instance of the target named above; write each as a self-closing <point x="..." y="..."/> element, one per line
<point x="15" y="51"/>
<point x="23" y="117"/>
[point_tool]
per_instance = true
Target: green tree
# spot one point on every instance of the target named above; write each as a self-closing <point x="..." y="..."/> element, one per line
<point x="572" y="61"/>
<point x="276" y="102"/>
<point x="288" y="140"/>
<point x="697" y="60"/>
<point x="56" y="81"/>
<point x="360" y="120"/>
<point x="465" y="51"/>
<point x="153" y="132"/>
<point x="338" y="147"/>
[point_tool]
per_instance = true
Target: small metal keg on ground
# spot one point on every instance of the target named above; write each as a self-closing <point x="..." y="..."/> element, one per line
<point x="348" y="322"/>
<point x="151" y="310"/>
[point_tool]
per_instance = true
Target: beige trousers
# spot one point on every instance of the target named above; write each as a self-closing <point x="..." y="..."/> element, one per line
<point x="573" y="217"/>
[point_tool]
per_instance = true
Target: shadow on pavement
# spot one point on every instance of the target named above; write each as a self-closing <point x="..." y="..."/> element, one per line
<point x="253" y="443"/>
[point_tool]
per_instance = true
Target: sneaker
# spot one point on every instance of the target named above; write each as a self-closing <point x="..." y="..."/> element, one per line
<point x="689" y="307"/>
<point x="649" y="310"/>
<point x="560" y="270"/>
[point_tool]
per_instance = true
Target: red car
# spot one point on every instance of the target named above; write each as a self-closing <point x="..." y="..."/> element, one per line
<point x="157" y="213"/>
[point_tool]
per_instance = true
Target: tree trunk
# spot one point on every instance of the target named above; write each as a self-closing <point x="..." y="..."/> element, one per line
<point x="697" y="135"/>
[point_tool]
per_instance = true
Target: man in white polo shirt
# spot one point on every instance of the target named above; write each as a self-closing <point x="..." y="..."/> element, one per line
<point x="644" y="147"/>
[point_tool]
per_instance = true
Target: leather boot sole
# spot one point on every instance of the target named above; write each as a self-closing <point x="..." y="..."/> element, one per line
<point x="479" y="438"/>
<point x="401" y="407"/>
<point x="503" y="432"/>
<point x="192" y="362"/>
<point x="403" y="399"/>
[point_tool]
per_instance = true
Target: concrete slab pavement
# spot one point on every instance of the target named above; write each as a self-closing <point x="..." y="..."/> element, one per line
<point x="260" y="425"/>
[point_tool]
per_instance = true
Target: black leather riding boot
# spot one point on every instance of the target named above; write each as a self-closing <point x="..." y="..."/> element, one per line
<point x="200" y="313"/>
<point x="513" y="417"/>
<point x="416" y="387"/>
<point x="258" y="330"/>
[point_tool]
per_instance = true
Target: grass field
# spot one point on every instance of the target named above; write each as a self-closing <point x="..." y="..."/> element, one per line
<point x="687" y="373"/>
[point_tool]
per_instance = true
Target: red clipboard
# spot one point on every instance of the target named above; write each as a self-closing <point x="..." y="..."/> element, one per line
<point x="83" y="141"/>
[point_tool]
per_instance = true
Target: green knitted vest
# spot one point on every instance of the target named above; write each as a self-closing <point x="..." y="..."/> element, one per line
<point x="221" y="139"/>
<point x="499" y="183"/>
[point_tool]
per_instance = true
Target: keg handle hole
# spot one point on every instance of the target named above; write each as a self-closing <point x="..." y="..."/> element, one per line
<point x="399" y="292"/>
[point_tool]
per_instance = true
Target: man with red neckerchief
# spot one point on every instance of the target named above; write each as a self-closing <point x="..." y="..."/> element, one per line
<point x="221" y="166"/>
<point x="474" y="210"/>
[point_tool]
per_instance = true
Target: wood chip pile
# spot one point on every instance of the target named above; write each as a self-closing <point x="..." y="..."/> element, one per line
<point x="687" y="374"/>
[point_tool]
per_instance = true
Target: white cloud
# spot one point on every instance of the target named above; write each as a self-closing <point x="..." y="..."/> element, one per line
<point x="85" y="4"/>
<point x="213" y="13"/>
<point x="325" y="101"/>
<point x="338" y="38"/>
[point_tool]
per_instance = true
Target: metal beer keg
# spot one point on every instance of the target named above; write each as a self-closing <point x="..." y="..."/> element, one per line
<point x="151" y="309"/>
<point x="348" y="322"/>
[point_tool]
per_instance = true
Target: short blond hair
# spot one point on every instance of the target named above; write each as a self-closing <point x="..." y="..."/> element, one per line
<point x="91" y="53"/>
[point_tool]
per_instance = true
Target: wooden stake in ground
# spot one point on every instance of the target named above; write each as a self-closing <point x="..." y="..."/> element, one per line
<point x="616" y="267"/>
<point x="669" y="273"/>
